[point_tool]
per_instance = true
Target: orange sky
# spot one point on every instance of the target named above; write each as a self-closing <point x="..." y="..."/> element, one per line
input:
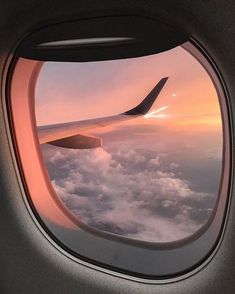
<point x="75" y="91"/>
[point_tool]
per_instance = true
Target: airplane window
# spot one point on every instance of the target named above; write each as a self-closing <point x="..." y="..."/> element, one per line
<point x="150" y="174"/>
<point x="124" y="161"/>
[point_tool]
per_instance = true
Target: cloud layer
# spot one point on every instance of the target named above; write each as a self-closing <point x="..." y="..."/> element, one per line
<point x="140" y="193"/>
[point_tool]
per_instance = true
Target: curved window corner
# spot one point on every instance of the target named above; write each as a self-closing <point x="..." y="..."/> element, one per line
<point x="125" y="159"/>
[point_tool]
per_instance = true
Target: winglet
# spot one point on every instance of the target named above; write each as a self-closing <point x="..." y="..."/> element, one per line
<point x="148" y="101"/>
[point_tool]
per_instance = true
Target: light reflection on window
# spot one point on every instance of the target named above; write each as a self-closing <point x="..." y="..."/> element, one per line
<point x="156" y="177"/>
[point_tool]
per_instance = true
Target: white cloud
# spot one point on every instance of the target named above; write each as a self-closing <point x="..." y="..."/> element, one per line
<point x="120" y="193"/>
<point x="155" y="161"/>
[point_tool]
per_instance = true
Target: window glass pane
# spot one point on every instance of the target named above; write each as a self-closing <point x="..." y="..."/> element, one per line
<point x="155" y="177"/>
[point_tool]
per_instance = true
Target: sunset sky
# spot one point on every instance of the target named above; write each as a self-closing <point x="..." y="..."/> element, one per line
<point x="155" y="178"/>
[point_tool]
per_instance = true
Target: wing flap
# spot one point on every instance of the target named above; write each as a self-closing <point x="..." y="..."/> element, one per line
<point x="78" y="142"/>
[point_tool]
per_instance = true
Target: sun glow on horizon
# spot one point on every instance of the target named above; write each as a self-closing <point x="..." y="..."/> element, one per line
<point x="154" y="113"/>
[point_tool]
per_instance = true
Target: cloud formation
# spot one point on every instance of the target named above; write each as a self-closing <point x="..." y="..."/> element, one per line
<point x="130" y="192"/>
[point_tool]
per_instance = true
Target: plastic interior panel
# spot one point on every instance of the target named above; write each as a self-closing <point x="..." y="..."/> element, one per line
<point x="30" y="263"/>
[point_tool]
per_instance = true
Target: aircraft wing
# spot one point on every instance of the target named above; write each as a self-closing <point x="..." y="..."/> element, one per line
<point x="68" y="135"/>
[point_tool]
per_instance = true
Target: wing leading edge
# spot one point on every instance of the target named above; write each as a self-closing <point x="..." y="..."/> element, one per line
<point x="68" y="135"/>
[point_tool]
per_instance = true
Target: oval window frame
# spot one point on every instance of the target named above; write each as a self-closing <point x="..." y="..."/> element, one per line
<point x="22" y="80"/>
